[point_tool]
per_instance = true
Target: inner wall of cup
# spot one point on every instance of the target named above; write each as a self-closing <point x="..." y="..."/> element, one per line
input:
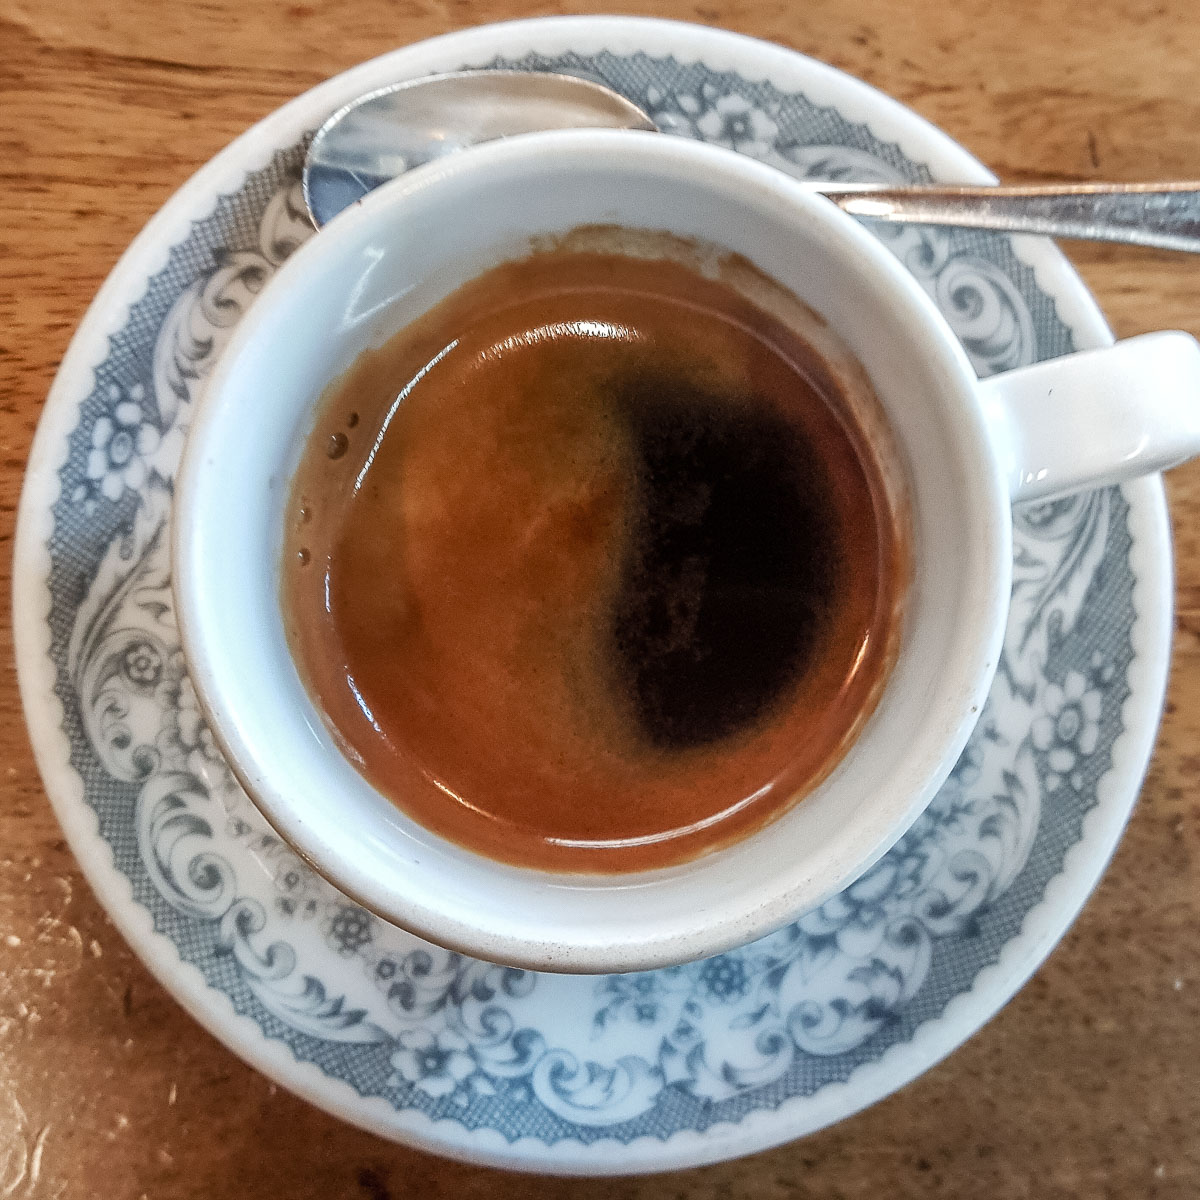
<point x="362" y="280"/>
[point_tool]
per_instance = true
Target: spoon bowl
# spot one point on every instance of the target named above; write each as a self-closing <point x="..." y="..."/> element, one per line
<point x="394" y="129"/>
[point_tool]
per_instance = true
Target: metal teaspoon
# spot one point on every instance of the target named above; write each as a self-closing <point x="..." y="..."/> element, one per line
<point x="387" y="132"/>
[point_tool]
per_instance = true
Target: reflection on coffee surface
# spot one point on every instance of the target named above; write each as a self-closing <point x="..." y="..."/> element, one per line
<point x="593" y="567"/>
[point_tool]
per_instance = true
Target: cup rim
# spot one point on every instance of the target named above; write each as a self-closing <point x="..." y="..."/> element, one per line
<point x="375" y="210"/>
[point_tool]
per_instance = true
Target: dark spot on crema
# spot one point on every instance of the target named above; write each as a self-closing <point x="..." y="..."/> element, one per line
<point x="337" y="445"/>
<point x="303" y="556"/>
<point x="734" y="556"/>
<point x="351" y="420"/>
<point x="373" y="1185"/>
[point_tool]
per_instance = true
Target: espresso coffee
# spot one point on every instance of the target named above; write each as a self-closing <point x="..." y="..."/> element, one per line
<point x="598" y="565"/>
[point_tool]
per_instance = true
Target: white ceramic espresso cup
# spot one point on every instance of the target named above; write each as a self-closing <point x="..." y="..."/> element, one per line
<point x="971" y="449"/>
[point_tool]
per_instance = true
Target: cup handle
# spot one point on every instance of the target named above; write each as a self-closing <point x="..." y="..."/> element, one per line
<point x="1096" y="417"/>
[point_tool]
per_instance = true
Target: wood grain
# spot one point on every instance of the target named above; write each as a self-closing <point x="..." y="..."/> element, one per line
<point x="1087" y="1084"/>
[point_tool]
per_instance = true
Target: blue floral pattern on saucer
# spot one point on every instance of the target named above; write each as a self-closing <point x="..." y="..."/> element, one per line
<point x="544" y="1057"/>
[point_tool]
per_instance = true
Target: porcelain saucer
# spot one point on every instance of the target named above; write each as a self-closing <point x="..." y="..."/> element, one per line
<point x="574" y="1074"/>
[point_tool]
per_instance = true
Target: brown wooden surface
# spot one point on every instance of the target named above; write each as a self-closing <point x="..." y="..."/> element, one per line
<point x="1088" y="1084"/>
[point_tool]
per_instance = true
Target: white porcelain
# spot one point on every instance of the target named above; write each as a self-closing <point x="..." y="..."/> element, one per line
<point x="542" y="1072"/>
<point x="402" y="249"/>
<point x="1096" y="417"/>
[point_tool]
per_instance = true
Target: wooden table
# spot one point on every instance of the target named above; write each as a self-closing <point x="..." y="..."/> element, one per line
<point x="1088" y="1084"/>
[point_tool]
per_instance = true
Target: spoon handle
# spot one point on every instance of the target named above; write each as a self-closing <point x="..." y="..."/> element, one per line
<point x="1165" y="215"/>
